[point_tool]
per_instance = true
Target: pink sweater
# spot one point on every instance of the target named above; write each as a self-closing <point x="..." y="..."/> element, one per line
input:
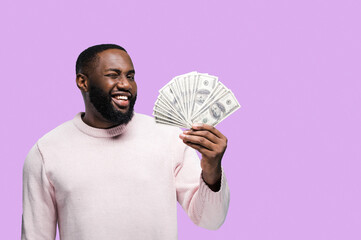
<point x="118" y="183"/>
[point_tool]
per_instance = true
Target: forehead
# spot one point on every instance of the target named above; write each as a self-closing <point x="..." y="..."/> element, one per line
<point x="114" y="58"/>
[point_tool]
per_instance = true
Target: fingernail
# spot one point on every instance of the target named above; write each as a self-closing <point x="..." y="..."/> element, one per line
<point x="185" y="132"/>
<point x="181" y="135"/>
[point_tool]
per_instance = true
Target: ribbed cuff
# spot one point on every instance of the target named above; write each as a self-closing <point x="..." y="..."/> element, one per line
<point x="207" y="193"/>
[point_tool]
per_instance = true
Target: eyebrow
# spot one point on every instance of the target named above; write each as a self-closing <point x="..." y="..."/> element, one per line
<point x="118" y="71"/>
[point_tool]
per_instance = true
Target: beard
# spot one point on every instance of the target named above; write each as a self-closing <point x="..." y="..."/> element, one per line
<point x="103" y="104"/>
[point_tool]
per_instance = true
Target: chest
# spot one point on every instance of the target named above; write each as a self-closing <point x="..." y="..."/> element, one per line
<point x="111" y="170"/>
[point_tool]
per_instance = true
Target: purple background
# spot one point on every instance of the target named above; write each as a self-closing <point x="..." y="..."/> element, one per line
<point x="293" y="160"/>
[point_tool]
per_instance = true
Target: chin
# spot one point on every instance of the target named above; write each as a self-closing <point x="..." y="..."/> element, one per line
<point x="121" y="117"/>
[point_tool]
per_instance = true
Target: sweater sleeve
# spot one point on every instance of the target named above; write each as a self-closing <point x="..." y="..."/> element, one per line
<point x="205" y="208"/>
<point x="39" y="209"/>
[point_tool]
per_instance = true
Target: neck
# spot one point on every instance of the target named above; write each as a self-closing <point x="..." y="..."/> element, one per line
<point x="97" y="121"/>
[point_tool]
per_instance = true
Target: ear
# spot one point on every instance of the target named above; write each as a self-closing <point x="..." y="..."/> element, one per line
<point x="82" y="82"/>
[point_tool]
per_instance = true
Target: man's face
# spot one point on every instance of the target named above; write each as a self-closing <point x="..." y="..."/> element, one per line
<point x="112" y="88"/>
<point x="216" y="111"/>
<point x="201" y="97"/>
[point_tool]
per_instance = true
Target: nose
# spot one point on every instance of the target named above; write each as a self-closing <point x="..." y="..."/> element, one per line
<point x="124" y="83"/>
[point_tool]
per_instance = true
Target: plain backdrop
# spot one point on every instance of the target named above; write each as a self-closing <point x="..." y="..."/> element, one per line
<point x="294" y="159"/>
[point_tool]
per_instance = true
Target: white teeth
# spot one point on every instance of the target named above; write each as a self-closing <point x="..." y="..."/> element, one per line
<point x="122" y="97"/>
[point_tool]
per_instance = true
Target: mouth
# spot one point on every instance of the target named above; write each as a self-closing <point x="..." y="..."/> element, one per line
<point x="121" y="99"/>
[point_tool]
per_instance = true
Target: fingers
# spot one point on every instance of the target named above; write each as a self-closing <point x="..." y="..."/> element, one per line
<point x="199" y="148"/>
<point x="210" y="142"/>
<point x="198" y="140"/>
<point x="201" y="126"/>
<point x="201" y="133"/>
<point x="204" y="135"/>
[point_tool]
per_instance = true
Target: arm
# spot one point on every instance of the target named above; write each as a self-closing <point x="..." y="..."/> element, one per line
<point x="202" y="190"/>
<point x="39" y="208"/>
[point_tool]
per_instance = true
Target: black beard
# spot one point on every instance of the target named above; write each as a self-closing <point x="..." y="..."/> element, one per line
<point x="103" y="104"/>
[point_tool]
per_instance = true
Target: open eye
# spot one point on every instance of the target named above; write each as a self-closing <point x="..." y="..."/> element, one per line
<point x="131" y="77"/>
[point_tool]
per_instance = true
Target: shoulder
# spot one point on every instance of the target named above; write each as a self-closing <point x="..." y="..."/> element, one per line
<point x="51" y="140"/>
<point x="60" y="134"/>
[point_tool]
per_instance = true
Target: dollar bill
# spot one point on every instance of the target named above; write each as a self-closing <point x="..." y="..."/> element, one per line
<point x="161" y="110"/>
<point x="194" y="97"/>
<point x="205" y="86"/>
<point x="218" y="110"/>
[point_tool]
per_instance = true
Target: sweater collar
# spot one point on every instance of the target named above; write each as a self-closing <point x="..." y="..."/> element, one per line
<point x="98" y="132"/>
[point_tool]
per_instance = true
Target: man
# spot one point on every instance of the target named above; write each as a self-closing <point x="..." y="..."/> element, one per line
<point x="110" y="174"/>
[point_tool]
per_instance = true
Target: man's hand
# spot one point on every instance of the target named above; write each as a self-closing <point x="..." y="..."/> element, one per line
<point x="212" y="144"/>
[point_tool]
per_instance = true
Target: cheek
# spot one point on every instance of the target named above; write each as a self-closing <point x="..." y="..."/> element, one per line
<point x="104" y="84"/>
<point x="134" y="87"/>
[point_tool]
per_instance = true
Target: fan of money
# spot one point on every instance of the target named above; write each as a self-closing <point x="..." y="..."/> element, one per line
<point x="194" y="98"/>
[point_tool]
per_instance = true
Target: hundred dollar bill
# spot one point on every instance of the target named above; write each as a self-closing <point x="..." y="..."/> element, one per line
<point x="218" y="110"/>
<point x="205" y="85"/>
<point x="160" y="117"/>
<point x="171" y="97"/>
<point x="161" y="110"/>
<point x="164" y="104"/>
<point x="219" y="91"/>
<point x="180" y="88"/>
<point x="158" y="120"/>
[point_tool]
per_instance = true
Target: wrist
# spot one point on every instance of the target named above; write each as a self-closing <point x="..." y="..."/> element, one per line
<point x="213" y="177"/>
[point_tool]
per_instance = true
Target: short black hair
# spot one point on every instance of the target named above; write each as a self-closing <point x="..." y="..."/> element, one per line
<point x="89" y="55"/>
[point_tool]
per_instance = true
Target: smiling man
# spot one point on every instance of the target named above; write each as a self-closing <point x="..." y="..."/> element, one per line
<point x="108" y="101"/>
<point x="110" y="173"/>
